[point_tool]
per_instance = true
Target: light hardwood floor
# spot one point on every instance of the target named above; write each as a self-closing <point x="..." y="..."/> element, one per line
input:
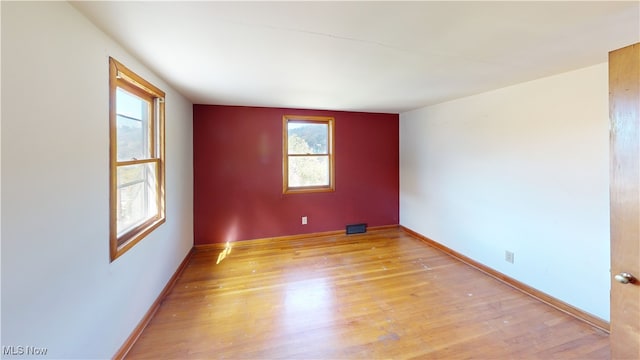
<point x="380" y="295"/>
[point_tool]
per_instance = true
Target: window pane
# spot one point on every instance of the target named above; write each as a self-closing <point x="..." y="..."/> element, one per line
<point x="128" y="104"/>
<point x="132" y="126"/>
<point x="308" y="171"/>
<point x="307" y="138"/>
<point x="136" y="200"/>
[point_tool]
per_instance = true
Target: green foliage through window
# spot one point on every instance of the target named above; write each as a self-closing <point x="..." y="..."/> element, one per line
<point x="309" y="154"/>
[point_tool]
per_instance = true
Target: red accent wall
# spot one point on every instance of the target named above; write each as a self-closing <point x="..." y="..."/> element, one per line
<point x="238" y="174"/>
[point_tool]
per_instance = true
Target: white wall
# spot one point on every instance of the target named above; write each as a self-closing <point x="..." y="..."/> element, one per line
<point x="59" y="290"/>
<point x="524" y="169"/>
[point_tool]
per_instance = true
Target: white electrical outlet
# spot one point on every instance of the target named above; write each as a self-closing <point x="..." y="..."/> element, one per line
<point x="508" y="256"/>
<point x="304" y="220"/>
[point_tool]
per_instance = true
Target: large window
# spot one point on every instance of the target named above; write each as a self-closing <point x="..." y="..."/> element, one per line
<point x="308" y="154"/>
<point x="136" y="118"/>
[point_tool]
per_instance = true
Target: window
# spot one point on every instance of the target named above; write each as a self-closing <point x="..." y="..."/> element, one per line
<point x="308" y="154"/>
<point x="136" y="119"/>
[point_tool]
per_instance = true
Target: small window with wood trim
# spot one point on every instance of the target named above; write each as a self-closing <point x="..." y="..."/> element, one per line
<point x="137" y="196"/>
<point x="308" y="154"/>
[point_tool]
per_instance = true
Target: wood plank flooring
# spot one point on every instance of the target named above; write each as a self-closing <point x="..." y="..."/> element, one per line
<point x="380" y="295"/>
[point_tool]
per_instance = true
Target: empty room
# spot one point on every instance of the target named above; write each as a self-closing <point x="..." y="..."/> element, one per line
<point x="320" y="180"/>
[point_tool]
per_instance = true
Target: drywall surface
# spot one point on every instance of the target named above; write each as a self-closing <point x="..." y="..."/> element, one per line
<point x="521" y="169"/>
<point x="238" y="174"/>
<point x="60" y="292"/>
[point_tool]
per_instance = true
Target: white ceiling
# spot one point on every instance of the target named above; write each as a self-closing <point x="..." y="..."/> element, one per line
<point x="361" y="56"/>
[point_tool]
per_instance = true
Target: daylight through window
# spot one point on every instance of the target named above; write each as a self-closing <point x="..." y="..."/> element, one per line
<point x="137" y="158"/>
<point x="308" y="154"/>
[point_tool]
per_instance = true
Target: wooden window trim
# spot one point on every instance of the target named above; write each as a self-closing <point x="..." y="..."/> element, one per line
<point x="122" y="77"/>
<point x="330" y="121"/>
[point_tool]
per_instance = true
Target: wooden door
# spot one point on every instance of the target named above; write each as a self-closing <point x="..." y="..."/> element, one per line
<point x="624" y="105"/>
